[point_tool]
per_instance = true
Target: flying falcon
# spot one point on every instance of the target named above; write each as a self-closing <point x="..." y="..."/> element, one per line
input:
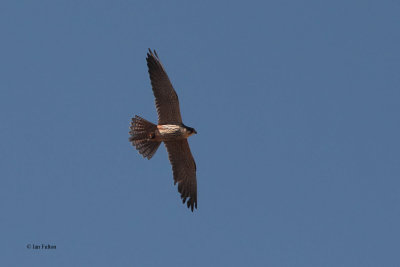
<point x="147" y="137"/>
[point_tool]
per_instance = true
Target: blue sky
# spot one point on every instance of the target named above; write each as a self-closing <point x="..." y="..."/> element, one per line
<point x="296" y="104"/>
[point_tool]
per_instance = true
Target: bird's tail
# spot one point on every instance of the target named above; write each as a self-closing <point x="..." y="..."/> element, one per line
<point x="142" y="136"/>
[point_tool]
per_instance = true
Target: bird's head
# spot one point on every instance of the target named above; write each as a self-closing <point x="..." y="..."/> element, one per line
<point x="191" y="130"/>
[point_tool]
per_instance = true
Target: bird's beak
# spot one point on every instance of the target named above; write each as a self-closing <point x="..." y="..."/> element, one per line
<point x="195" y="131"/>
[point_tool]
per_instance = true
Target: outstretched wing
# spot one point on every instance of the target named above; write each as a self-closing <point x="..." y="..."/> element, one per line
<point x="167" y="102"/>
<point x="184" y="170"/>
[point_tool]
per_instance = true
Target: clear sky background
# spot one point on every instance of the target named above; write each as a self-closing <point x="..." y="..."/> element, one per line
<point x="296" y="104"/>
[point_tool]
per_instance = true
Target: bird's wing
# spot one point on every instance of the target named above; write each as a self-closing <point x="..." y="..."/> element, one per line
<point x="184" y="170"/>
<point x="167" y="102"/>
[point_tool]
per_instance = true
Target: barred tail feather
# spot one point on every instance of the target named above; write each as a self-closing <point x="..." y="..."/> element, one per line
<point x="141" y="133"/>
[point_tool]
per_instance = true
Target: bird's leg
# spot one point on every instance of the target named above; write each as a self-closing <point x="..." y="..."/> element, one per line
<point x="152" y="135"/>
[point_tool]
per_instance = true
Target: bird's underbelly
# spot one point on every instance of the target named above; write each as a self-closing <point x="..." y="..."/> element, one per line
<point x="169" y="132"/>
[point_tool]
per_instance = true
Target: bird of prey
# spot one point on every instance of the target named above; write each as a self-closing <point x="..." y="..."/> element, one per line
<point x="146" y="137"/>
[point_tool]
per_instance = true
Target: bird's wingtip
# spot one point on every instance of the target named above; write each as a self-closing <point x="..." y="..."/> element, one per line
<point x="152" y="53"/>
